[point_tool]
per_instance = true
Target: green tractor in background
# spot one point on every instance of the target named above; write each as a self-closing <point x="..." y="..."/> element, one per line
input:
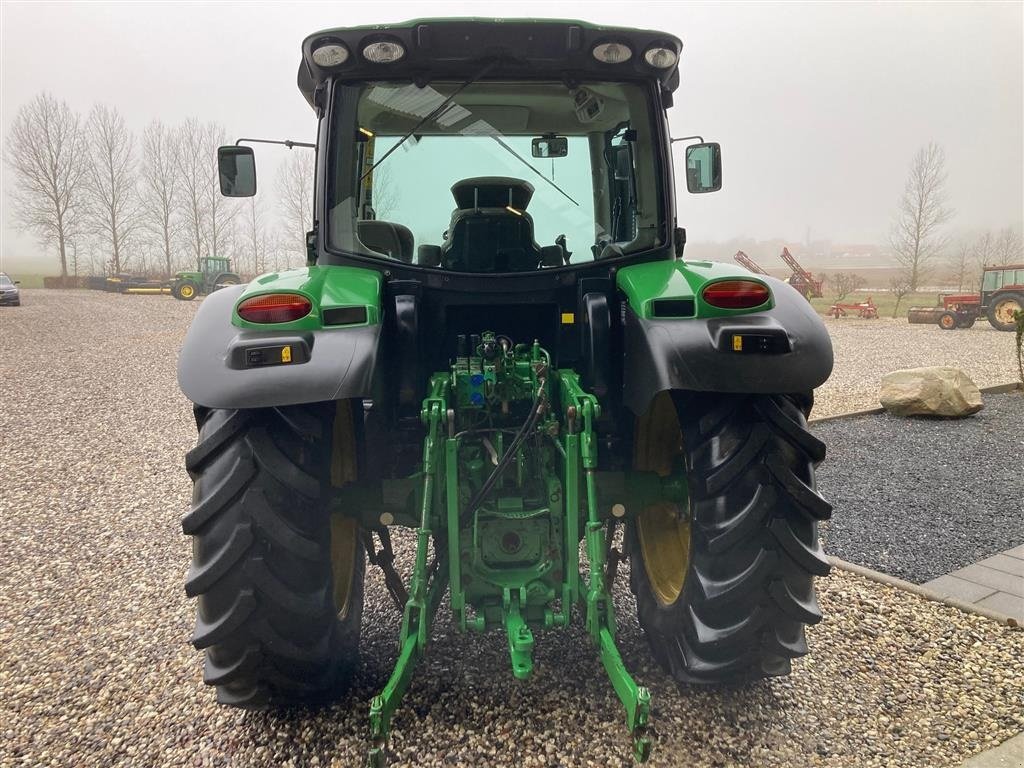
<point x="214" y="272"/>
<point x="503" y="349"/>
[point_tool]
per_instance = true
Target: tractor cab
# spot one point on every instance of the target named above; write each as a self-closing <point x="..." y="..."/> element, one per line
<point x="213" y="267"/>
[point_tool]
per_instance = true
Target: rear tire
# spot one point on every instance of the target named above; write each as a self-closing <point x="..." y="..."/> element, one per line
<point x="1000" y="311"/>
<point x="744" y="587"/>
<point x="268" y="618"/>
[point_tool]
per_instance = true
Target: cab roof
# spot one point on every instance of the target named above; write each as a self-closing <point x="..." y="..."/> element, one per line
<point x="457" y="48"/>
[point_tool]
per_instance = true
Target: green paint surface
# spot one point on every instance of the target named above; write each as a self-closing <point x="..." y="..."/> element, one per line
<point x="327" y="287"/>
<point x="643" y="283"/>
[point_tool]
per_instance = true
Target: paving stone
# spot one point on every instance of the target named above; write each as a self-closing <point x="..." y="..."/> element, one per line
<point x="1009" y="754"/>
<point x="1017" y="552"/>
<point x="1004" y="582"/>
<point x="1004" y="563"/>
<point x="951" y="586"/>
<point x="1011" y="605"/>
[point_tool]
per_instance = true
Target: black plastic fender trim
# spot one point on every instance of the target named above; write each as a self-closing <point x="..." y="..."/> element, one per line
<point x="693" y="354"/>
<point x="341" y="361"/>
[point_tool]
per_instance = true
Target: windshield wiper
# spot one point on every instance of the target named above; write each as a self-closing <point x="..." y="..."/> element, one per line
<point x="435" y="112"/>
<point x="527" y="163"/>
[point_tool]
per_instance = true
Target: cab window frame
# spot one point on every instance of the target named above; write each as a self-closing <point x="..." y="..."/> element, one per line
<point x="341" y="118"/>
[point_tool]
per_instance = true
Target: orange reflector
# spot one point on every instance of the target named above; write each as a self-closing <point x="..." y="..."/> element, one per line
<point x="736" y="294"/>
<point x="274" y="308"/>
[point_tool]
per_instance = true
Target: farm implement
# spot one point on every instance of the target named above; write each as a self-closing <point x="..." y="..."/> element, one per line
<point x="497" y="344"/>
<point x="865" y="309"/>
<point x="213" y="273"/>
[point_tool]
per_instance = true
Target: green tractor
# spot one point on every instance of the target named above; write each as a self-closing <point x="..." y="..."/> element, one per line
<point x="498" y="343"/>
<point x="214" y="272"/>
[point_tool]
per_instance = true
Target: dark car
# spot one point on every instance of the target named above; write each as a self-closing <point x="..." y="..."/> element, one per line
<point x="9" y="294"/>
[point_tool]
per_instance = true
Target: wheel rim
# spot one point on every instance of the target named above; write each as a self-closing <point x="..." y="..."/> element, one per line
<point x="947" y="321"/>
<point x="665" y="546"/>
<point x="1005" y="309"/>
<point x="663" y="530"/>
<point x="344" y="530"/>
<point x="187" y="291"/>
<point x="343" y="560"/>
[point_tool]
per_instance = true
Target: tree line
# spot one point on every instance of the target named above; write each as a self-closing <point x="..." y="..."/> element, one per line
<point x="109" y="201"/>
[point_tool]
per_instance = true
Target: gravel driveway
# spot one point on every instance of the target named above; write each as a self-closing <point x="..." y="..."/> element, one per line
<point x="918" y="498"/>
<point x="866" y="350"/>
<point x="95" y="669"/>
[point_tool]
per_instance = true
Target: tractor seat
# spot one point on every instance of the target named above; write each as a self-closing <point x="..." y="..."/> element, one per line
<point x="387" y="237"/>
<point x="491" y="231"/>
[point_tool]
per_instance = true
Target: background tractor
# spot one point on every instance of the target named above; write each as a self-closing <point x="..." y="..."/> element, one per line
<point x="1002" y="294"/>
<point x="214" y="273"/>
<point x="515" y="363"/>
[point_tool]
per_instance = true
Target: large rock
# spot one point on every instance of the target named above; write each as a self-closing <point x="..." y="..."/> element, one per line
<point x="931" y="391"/>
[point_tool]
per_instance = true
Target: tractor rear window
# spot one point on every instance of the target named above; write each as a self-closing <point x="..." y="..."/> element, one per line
<point x="495" y="176"/>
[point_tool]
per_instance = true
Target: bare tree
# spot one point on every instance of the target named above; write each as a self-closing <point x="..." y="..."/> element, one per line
<point x="899" y="286"/>
<point x="916" y="236"/>
<point x="191" y="157"/>
<point x="161" y="186"/>
<point x="961" y="264"/>
<point x="113" y="195"/>
<point x="222" y="210"/>
<point x="385" y="195"/>
<point x="295" y="191"/>
<point x="843" y="284"/>
<point x="257" y="239"/>
<point x="46" y="151"/>
<point x="1008" y="247"/>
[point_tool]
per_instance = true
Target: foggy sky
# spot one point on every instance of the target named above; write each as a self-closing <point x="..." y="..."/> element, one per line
<point x="819" y="108"/>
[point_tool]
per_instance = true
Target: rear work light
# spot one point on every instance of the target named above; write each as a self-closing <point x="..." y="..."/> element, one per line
<point x="330" y="54"/>
<point x="736" y="294"/>
<point x="384" y="51"/>
<point x="612" y="53"/>
<point x="275" y="308"/>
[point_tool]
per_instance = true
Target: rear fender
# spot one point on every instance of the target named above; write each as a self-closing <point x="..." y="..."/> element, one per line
<point x="783" y="347"/>
<point x="217" y="368"/>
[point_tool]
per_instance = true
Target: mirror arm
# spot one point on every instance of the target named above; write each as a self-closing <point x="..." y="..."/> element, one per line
<point x="687" y="138"/>
<point x="287" y="143"/>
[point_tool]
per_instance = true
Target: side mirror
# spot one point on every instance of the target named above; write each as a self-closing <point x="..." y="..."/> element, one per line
<point x="237" y="171"/>
<point x="550" y="146"/>
<point x="703" y="168"/>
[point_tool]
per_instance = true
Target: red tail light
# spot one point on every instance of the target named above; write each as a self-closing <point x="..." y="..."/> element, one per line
<point x="736" y="294"/>
<point x="274" y="308"/>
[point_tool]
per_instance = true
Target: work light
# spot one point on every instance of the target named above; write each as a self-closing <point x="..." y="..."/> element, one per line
<point x="612" y="53"/>
<point x="330" y="55"/>
<point x="659" y="57"/>
<point x="384" y="51"/>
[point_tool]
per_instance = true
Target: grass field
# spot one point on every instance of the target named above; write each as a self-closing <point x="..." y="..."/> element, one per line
<point x="883" y="300"/>
<point x="27" y="280"/>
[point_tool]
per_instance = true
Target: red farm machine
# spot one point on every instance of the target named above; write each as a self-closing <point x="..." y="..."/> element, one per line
<point x="865" y="309"/>
<point x="801" y="279"/>
<point x="749" y="263"/>
<point x="1002" y="294"/>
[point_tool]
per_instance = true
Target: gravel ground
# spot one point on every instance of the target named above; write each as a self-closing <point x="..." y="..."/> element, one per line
<point x="95" y="668"/>
<point x="918" y="498"/>
<point x="866" y="350"/>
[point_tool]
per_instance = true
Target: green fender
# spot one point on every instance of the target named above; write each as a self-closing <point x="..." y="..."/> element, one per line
<point x="332" y="352"/>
